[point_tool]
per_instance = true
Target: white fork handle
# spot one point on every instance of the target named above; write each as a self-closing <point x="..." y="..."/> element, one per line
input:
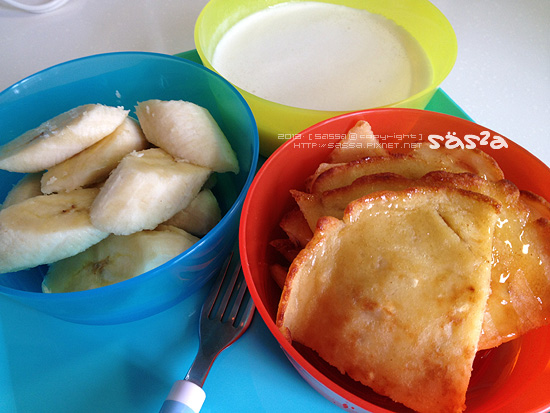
<point x="184" y="397"/>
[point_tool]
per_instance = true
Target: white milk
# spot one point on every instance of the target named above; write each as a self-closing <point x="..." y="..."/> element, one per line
<point x="322" y="56"/>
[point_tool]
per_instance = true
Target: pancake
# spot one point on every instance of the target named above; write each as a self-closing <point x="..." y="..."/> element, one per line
<point x="471" y="160"/>
<point x="414" y="164"/>
<point x="296" y="228"/>
<point x="520" y="299"/>
<point x="394" y="294"/>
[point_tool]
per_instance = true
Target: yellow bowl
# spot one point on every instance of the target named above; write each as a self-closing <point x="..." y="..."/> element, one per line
<point x="277" y="122"/>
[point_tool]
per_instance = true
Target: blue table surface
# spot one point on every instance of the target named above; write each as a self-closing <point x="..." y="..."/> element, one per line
<point x="50" y="365"/>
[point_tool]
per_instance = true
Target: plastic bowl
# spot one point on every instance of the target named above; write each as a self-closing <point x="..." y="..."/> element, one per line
<point x="276" y="122"/>
<point x="123" y="79"/>
<point x="514" y="377"/>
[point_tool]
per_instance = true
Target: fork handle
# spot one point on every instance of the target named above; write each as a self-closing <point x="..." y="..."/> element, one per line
<point x="184" y="397"/>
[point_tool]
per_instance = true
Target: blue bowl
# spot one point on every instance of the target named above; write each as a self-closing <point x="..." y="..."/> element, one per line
<point x="123" y="79"/>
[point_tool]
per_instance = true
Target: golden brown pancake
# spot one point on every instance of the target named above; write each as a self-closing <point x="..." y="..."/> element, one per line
<point x="288" y="249"/>
<point x="413" y="165"/>
<point x="520" y="299"/>
<point x="295" y="226"/>
<point x="394" y="294"/>
<point x="471" y="160"/>
<point x="334" y="202"/>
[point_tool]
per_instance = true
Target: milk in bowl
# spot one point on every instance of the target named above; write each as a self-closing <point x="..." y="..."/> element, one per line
<point x="322" y="56"/>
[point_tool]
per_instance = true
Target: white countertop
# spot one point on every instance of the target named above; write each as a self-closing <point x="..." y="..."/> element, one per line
<point x="501" y="77"/>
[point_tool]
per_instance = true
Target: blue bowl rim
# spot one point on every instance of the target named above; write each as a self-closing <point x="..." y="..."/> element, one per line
<point x="214" y="232"/>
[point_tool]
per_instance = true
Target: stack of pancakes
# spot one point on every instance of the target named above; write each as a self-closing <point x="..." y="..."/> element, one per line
<point x="402" y="266"/>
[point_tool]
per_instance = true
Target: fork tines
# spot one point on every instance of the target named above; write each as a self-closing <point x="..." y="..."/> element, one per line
<point x="229" y="300"/>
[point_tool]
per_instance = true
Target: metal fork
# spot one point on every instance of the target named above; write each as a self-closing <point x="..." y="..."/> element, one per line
<point x="226" y="314"/>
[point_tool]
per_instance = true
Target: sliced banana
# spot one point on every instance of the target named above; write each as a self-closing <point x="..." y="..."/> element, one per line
<point x="27" y="187"/>
<point x="187" y="131"/>
<point x="144" y="190"/>
<point x="94" y="164"/>
<point x="60" y="138"/>
<point x="117" y="258"/>
<point x="47" y="228"/>
<point x="202" y="214"/>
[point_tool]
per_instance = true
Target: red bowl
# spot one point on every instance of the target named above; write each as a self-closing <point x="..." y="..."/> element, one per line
<point x="514" y="377"/>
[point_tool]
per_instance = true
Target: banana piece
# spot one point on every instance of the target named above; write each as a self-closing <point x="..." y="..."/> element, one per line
<point x="94" y="164"/>
<point x="60" y="138"/>
<point x="47" y="228"/>
<point x="202" y="214"/>
<point x="144" y="190"/>
<point x="117" y="258"/>
<point x="187" y="131"/>
<point x="27" y="187"/>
